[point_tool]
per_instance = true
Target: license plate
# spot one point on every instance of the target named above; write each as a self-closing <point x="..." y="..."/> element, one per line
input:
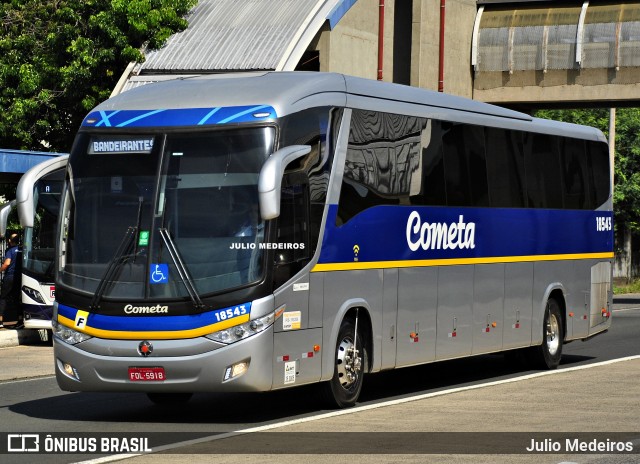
<point x="146" y="374"/>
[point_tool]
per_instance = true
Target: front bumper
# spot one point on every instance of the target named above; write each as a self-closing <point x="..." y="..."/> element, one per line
<point x="37" y="316"/>
<point x="190" y="365"/>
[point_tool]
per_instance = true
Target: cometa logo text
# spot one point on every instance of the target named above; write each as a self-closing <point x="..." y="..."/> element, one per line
<point x="439" y="235"/>
<point x="157" y="309"/>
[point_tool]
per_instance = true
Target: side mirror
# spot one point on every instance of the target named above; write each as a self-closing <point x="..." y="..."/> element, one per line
<point x="270" y="180"/>
<point x="4" y="217"/>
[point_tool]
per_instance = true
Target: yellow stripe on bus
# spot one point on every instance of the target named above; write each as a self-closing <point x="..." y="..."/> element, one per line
<point x="155" y="335"/>
<point x="356" y="265"/>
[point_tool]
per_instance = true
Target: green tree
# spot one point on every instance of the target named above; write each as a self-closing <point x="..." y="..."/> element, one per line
<point x="59" y="58"/>
<point x="626" y="195"/>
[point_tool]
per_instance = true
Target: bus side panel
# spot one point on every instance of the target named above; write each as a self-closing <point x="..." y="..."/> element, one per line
<point x="389" y="319"/>
<point x="455" y="319"/>
<point x="316" y="298"/>
<point x="547" y="276"/>
<point x="488" y="308"/>
<point x="295" y="361"/>
<point x="295" y="297"/>
<point x="578" y="300"/>
<point x="518" y="285"/>
<point x="342" y="291"/>
<point x="600" y="298"/>
<point x="417" y="315"/>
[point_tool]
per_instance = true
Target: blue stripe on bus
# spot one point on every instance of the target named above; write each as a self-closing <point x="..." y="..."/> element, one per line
<point x="180" y="117"/>
<point x="382" y="234"/>
<point x="159" y="323"/>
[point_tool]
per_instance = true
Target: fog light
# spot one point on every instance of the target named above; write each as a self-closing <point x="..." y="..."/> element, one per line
<point x="236" y="370"/>
<point x="70" y="371"/>
<point x="239" y="369"/>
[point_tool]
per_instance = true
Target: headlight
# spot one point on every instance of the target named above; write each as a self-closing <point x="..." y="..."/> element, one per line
<point x="33" y="294"/>
<point x="242" y="331"/>
<point x="67" y="335"/>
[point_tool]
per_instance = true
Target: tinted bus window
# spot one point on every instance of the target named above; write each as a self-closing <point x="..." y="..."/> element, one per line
<point x="383" y="163"/>
<point x="434" y="190"/>
<point x="574" y="173"/>
<point x="542" y="167"/>
<point x="505" y="167"/>
<point x="464" y="165"/>
<point x="599" y="157"/>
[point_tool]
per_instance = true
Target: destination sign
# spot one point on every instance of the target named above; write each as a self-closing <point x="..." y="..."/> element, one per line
<point x="120" y="144"/>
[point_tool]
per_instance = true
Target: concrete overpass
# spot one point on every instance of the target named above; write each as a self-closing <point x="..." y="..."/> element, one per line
<point x="542" y="54"/>
<point x="521" y="53"/>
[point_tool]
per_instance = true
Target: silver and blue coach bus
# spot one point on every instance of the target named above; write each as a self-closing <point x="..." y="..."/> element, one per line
<point x="38" y="203"/>
<point x="257" y="232"/>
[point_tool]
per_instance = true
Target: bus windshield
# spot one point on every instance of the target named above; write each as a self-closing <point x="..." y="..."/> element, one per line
<point x="39" y="240"/>
<point x="150" y="215"/>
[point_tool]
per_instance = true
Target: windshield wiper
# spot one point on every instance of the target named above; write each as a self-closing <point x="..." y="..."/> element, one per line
<point x="182" y="269"/>
<point x="122" y="254"/>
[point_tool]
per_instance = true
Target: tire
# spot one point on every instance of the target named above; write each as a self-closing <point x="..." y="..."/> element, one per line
<point x="344" y="388"/>
<point x="168" y="399"/>
<point x="548" y="355"/>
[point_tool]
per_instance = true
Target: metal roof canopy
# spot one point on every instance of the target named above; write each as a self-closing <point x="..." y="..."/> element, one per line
<point x="232" y="35"/>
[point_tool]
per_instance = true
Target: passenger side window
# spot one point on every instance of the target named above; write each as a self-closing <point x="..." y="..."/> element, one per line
<point x="434" y="190"/>
<point x="542" y="166"/>
<point x="598" y="153"/>
<point x="383" y="164"/>
<point x="293" y="248"/>
<point x="465" y="166"/>
<point x="574" y="173"/>
<point x="505" y="167"/>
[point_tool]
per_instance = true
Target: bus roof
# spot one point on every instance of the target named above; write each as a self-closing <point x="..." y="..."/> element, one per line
<point x="289" y="92"/>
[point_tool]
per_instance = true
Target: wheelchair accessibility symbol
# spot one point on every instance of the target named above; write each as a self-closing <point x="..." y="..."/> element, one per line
<point x="159" y="274"/>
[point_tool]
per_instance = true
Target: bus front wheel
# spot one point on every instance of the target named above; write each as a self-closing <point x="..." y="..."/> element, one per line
<point x="344" y="387"/>
<point x="547" y="355"/>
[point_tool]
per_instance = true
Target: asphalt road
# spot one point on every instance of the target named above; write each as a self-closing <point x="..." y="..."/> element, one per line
<point x="31" y="405"/>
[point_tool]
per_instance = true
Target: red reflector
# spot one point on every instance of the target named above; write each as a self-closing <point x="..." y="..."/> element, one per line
<point x="310" y="354"/>
<point x="453" y="334"/>
<point x="285" y="358"/>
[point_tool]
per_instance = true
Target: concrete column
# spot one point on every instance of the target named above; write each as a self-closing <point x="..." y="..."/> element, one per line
<point x="354" y="41"/>
<point x="459" y="19"/>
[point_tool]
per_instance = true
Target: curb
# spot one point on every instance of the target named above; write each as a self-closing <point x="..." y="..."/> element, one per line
<point x="10" y="338"/>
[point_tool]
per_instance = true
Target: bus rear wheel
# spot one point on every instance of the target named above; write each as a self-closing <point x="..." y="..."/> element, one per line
<point x="344" y="387"/>
<point x="167" y="399"/>
<point x="548" y="355"/>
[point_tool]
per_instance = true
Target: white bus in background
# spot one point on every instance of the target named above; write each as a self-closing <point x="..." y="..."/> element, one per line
<point x="38" y="200"/>
<point x="5" y="210"/>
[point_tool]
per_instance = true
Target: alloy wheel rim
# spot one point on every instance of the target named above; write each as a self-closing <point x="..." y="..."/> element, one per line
<point x="349" y="364"/>
<point x="553" y="340"/>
